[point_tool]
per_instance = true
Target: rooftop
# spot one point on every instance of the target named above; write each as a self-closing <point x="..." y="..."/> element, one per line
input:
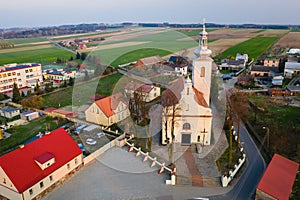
<point x="21" y="168"/>
<point x="279" y="177"/>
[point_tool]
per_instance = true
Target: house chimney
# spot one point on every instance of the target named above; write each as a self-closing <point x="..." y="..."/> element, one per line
<point x="21" y="146"/>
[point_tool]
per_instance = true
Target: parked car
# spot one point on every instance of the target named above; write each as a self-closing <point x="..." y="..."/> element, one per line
<point x="101" y="134"/>
<point x="81" y="147"/>
<point x="79" y="128"/>
<point x="91" y="141"/>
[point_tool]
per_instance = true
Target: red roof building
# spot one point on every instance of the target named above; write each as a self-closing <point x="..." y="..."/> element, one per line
<point x="108" y="111"/>
<point x="278" y="179"/>
<point x="33" y="168"/>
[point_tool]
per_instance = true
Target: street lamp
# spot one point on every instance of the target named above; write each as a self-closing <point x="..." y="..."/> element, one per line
<point x="268" y="136"/>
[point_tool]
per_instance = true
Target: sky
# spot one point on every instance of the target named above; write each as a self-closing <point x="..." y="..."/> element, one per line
<point x="35" y="13"/>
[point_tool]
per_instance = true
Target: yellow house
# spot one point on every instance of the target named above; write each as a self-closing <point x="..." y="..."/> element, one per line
<point x="108" y="111"/>
<point x="28" y="172"/>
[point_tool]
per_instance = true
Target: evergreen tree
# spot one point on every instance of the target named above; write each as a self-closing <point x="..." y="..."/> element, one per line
<point x="16" y="94"/>
<point x="71" y="81"/>
<point x="78" y="56"/>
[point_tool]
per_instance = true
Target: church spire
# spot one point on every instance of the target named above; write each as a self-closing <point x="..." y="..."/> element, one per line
<point x="202" y="50"/>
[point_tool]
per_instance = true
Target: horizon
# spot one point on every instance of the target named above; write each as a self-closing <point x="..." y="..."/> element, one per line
<point x="42" y="14"/>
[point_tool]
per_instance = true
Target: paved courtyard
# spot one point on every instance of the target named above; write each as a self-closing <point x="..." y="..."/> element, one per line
<point x="118" y="174"/>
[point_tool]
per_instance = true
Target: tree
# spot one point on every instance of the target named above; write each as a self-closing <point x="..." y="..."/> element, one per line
<point x="86" y="75"/>
<point x="71" y="81"/>
<point x="71" y="58"/>
<point x="16" y="94"/>
<point x="35" y="101"/>
<point x="83" y="56"/>
<point x="171" y="113"/>
<point x="78" y="55"/>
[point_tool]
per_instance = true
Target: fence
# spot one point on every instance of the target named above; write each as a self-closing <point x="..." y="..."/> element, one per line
<point x="153" y="161"/>
<point x="226" y="179"/>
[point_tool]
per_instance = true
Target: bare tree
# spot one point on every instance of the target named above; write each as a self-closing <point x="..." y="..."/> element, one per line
<point x="171" y="114"/>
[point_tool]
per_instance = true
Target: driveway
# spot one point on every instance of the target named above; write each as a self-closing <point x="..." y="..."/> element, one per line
<point x="118" y="174"/>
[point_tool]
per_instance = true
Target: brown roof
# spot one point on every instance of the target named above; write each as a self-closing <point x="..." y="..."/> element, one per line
<point x="172" y="95"/>
<point x="134" y="86"/>
<point x="149" y="61"/>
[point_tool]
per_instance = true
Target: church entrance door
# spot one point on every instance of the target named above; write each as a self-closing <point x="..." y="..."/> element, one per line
<point x="185" y="139"/>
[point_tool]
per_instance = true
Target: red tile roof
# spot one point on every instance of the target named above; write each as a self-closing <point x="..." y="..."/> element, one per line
<point x="20" y="167"/>
<point x="279" y="177"/>
<point x="108" y="104"/>
<point x="149" y="60"/>
<point x="134" y="86"/>
<point x="43" y="158"/>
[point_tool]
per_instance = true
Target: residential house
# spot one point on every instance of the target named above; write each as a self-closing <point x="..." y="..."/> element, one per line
<point x="24" y="75"/>
<point x="108" y="111"/>
<point x="149" y="61"/>
<point x="243" y="57"/>
<point x="291" y="68"/>
<point x="278" y="179"/>
<point x="149" y="92"/>
<point x="179" y="64"/>
<point x="58" y="76"/>
<point x="29" y="171"/>
<point x="264" y="73"/>
<point x="9" y="112"/>
<point x="233" y="65"/>
<point x="293" y="51"/>
<point x="29" y="115"/>
<point x="271" y="62"/>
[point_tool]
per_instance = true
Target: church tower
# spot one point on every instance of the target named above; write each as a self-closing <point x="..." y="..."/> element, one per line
<point x="202" y="66"/>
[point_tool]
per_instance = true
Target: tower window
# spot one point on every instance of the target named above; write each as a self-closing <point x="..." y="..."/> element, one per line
<point x="202" y="72"/>
<point x="186" y="126"/>
<point x="188" y="91"/>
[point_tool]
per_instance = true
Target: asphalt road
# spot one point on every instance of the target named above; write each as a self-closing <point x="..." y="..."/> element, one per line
<point x="245" y="187"/>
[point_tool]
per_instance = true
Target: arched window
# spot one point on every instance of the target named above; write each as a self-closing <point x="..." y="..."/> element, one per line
<point x="186" y="126"/>
<point x="202" y="72"/>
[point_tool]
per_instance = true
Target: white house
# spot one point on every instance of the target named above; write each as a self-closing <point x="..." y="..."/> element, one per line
<point x="186" y="102"/>
<point x="26" y="173"/>
<point x="9" y="112"/>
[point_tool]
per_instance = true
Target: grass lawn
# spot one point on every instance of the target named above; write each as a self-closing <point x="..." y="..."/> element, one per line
<point x="254" y="47"/>
<point x="43" y="56"/>
<point x="20" y="134"/>
<point x="137" y="54"/>
<point x="79" y="94"/>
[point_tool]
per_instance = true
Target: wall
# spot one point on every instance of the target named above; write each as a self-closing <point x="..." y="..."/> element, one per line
<point x="100" y="151"/>
<point x="226" y="179"/>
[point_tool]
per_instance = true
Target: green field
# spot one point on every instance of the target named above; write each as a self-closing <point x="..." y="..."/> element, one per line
<point x="137" y="54"/>
<point x="26" y="40"/>
<point x="171" y="41"/>
<point x="43" y="56"/>
<point x="254" y="47"/>
<point x="79" y="94"/>
<point x="259" y="31"/>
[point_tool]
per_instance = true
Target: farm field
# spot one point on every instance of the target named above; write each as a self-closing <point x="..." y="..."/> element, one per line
<point x="137" y="54"/>
<point x="27" y="40"/>
<point x="164" y="40"/>
<point x="194" y="32"/>
<point x="290" y="40"/>
<point x="254" y="47"/>
<point x="46" y="54"/>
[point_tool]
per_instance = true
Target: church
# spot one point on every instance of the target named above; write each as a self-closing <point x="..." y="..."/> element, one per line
<point x="187" y="116"/>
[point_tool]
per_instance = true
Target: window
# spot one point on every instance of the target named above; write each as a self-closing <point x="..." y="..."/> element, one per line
<point x="92" y="109"/>
<point x="41" y="184"/>
<point x="186" y="126"/>
<point x="4" y="181"/>
<point x="187" y="91"/>
<point x="31" y="191"/>
<point x="51" y="178"/>
<point x="68" y="165"/>
<point x="97" y="110"/>
<point x="202" y="72"/>
<point x="155" y="94"/>
<point x="76" y="161"/>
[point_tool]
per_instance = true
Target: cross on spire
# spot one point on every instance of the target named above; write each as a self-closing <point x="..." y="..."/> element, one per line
<point x="204" y="20"/>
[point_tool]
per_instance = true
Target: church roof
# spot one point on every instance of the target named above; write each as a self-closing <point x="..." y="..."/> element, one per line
<point x="172" y="95"/>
